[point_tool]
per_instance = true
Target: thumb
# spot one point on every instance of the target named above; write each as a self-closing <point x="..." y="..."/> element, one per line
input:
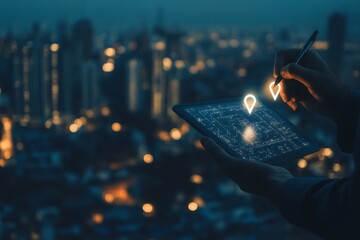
<point x="299" y="73"/>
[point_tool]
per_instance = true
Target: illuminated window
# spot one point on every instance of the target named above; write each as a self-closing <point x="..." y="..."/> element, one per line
<point x="108" y="67"/>
<point x="167" y="63"/>
<point x="54" y="47"/>
<point x="110" y="52"/>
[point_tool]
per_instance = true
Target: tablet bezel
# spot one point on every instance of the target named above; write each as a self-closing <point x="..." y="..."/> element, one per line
<point x="180" y="110"/>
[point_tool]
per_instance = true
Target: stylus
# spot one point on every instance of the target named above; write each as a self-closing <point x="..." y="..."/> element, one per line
<point x="301" y="53"/>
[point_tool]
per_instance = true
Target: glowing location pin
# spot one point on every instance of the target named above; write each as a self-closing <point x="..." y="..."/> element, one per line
<point x="274" y="94"/>
<point x="250" y="101"/>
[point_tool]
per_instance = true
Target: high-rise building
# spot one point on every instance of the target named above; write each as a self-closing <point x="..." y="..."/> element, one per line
<point x="173" y="98"/>
<point x="158" y="82"/>
<point x="82" y="37"/>
<point x="336" y="35"/>
<point x="90" y="87"/>
<point x="81" y="54"/>
<point x="36" y="79"/>
<point x="134" y="87"/>
<point x="65" y="73"/>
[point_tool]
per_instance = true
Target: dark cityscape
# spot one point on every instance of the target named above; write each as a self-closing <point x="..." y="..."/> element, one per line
<point x="91" y="148"/>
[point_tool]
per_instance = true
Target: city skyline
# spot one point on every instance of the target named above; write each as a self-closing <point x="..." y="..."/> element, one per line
<point x="114" y="15"/>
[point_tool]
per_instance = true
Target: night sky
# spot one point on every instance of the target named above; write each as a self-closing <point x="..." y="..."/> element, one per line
<point x="109" y="15"/>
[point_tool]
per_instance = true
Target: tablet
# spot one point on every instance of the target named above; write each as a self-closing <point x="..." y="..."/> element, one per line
<point x="263" y="135"/>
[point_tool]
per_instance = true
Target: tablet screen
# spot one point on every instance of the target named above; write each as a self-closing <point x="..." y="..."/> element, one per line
<point x="262" y="135"/>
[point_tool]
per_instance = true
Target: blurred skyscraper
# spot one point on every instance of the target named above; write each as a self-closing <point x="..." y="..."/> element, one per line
<point x="84" y="73"/>
<point x="158" y="82"/>
<point x="336" y="35"/>
<point x="35" y="77"/>
<point x="134" y="87"/>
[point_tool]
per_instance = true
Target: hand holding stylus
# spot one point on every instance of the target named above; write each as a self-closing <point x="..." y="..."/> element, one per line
<point x="311" y="85"/>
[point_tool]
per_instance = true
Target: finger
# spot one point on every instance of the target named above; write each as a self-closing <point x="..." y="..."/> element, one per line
<point x="214" y="149"/>
<point x="284" y="93"/>
<point x="303" y="75"/>
<point x="294" y="104"/>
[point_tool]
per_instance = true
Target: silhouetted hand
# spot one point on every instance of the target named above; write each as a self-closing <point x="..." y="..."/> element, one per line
<point x="312" y="84"/>
<point x="252" y="177"/>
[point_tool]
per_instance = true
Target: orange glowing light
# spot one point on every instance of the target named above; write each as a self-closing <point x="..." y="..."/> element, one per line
<point x="90" y="113"/>
<point x="105" y="111"/>
<point x="116" y="127"/>
<point x="175" y="134"/>
<point x="164" y="136"/>
<point x="2" y="163"/>
<point x="148" y="208"/>
<point x="7" y="154"/>
<point x="108" y="67"/>
<point x="193" y="206"/>
<point x="109" y="198"/>
<point x="54" y="47"/>
<point x="48" y="124"/>
<point x="196" y="178"/>
<point x="200" y="65"/>
<point x="78" y="122"/>
<point x="199" y="201"/>
<point x="6" y="124"/>
<point x="179" y="64"/>
<point x="109" y="52"/>
<point x="148" y="158"/>
<point x="73" y="128"/>
<point x="97" y="218"/>
<point x="328" y="152"/>
<point x="167" y="64"/>
<point x="160" y="45"/>
<point x="83" y="120"/>
<point x="184" y="128"/>
<point x="302" y="163"/>
<point x="337" y="167"/>
<point x="5" y="144"/>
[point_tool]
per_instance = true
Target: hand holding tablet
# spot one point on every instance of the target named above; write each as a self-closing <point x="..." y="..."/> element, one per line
<point x="262" y="136"/>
